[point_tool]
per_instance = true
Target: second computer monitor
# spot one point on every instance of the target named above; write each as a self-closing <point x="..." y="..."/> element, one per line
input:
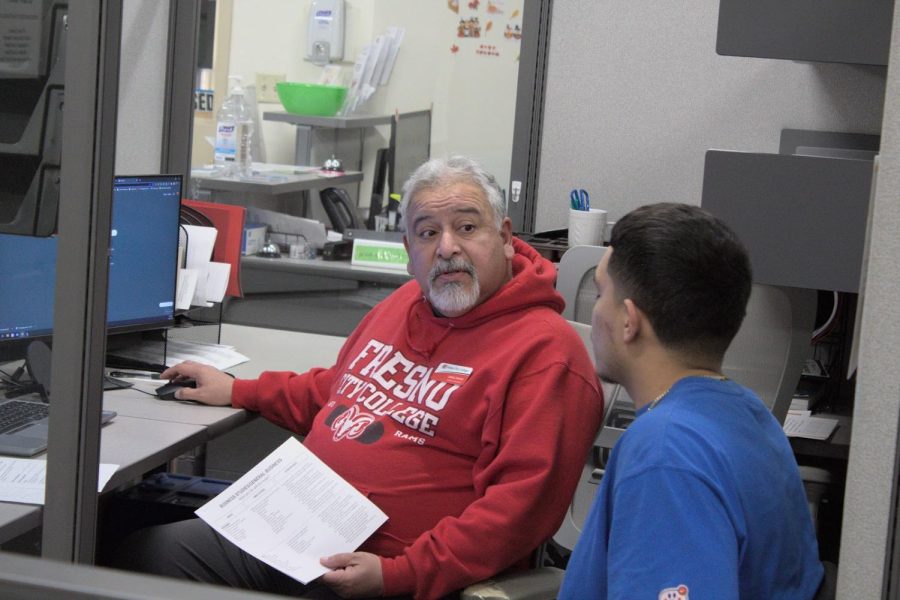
<point x="142" y="267"/>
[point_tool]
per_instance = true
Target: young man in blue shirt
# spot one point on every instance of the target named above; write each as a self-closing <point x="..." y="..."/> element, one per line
<point x="701" y="497"/>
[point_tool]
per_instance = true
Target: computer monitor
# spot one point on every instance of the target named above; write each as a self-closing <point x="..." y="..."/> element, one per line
<point x="410" y="146"/>
<point x="142" y="267"/>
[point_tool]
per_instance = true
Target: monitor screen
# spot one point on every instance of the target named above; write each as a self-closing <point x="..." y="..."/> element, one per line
<point x="142" y="266"/>
<point x="410" y="146"/>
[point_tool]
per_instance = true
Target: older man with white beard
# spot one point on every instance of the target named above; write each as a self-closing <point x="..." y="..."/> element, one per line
<point x="462" y="405"/>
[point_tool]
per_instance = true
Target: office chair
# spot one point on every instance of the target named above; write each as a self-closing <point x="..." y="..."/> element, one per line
<point x="768" y="351"/>
<point x="766" y="355"/>
<point x="575" y="281"/>
<point x="543" y="582"/>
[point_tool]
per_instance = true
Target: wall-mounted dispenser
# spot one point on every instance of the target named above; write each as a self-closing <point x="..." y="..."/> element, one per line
<point x="325" y="38"/>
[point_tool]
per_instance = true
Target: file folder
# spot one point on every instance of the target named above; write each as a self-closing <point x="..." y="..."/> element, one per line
<point x="229" y="221"/>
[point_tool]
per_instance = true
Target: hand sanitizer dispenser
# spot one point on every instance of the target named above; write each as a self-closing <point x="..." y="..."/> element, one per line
<point x="325" y="39"/>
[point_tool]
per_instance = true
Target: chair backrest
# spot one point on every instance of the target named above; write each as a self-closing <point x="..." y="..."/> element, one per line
<point x="570" y="529"/>
<point x="769" y="350"/>
<point x="575" y="281"/>
<point x="584" y="332"/>
<point x="766" y="355"/>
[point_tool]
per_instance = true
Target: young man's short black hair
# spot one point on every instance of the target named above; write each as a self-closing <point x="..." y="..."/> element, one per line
<point x="687" y="271"/>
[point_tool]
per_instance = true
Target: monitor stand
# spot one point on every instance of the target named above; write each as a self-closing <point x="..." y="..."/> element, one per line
<point x="37" y="365"/>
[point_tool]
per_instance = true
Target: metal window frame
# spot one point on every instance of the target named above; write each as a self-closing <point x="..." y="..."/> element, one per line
<point x="529" y="118"/>
<point x="87" y="166"/>
<point x="181" y="62"/>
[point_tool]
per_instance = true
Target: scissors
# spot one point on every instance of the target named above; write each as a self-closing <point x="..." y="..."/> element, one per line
<point x="580" y="199"/>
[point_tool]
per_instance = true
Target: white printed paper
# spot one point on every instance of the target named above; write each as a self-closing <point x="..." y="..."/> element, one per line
<point x="23" y="479"/>
<point x="217" y="281"/>
<point x="290" y="510"/>
<point x="20" y="38"/>
<point x="200" y="242"/>
<point x="220" y="356"/>
<point x="177" y="351"/>
<point x="806" y="426"/>
<point x="185" y="287"/>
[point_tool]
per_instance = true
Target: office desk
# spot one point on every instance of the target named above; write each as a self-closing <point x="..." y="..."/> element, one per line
<point x="279" y="350"/>
<point x="126" y="441"/>
<point x="229" y="456"/>
<point x="148" y="432"/>
<point x="158" y="414"/>
<point x="837" y="446"/>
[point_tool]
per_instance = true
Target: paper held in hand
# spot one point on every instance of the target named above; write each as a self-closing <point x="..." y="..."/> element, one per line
<point x="290" y="510"/>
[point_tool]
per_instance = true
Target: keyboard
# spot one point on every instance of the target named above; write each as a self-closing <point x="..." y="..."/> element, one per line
<point x="15" y="414"/>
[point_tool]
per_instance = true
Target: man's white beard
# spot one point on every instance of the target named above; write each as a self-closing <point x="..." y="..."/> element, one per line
<point x="453" y="297"/>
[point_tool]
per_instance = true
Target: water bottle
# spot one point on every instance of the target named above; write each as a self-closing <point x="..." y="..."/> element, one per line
<point x="234" y="131"/>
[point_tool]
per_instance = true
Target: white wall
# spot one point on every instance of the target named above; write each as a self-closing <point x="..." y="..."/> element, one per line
<point x="636" y="95"/>
<point x="473" y="95"/>
<point x="142" y="86"/>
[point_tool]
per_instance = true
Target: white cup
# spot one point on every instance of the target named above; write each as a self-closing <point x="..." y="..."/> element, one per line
<point x="586" y="227"/>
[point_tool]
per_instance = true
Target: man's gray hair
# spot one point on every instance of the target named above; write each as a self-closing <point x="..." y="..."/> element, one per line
<point x="438" y="172"/>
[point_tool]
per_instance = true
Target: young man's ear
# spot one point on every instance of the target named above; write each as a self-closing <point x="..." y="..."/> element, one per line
<point x="633" y="320"/>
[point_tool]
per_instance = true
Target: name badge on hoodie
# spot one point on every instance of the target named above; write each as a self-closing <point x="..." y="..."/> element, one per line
<point x="452" y="374"/>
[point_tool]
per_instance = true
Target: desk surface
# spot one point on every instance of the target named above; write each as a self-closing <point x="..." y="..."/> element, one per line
<point x="337" y="269"/>
<point x="148" y="432"/>
<point x="134" y="403"/>
<point x="837" y="446"/>
<point x="125" y="441"/>
<point x="280" y="350"/>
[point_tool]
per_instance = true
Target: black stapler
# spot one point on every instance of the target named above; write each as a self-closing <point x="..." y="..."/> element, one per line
<point x="340" y="250"/>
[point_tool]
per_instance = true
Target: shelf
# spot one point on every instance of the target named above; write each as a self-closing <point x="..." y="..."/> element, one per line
<point x="840" y="31"/>
<point x="32" y="81"/>
<point x="350" y="122"/>
<point x="331" y="269"/>
<point x="285" y="184"/>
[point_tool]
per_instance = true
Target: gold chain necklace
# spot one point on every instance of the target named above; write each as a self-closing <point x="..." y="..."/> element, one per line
<point x="657" y="400"/>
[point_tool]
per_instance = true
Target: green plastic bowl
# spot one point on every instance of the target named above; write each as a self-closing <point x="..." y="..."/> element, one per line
<point x="310" y="98"/>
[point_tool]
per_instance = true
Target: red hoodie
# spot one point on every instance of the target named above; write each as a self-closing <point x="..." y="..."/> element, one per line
<point x="470" y="433"/>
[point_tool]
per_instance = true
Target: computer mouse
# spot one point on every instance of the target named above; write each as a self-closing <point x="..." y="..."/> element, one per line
<point x="167" y="391"/>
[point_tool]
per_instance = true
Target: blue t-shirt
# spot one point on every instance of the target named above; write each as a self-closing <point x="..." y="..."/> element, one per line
<point x="701" y="499"/>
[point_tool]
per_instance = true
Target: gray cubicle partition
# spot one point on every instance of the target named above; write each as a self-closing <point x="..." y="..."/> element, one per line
<point x="802" y="218"/>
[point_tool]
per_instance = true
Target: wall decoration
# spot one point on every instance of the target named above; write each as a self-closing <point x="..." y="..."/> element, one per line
<point x="453" y="5"/>
<point x="513" y="32"/>
<point x="487" y="50"/>
<point x="454" y="49"/>
<point x="495" y="7"/>
<point x="469" y="28"/>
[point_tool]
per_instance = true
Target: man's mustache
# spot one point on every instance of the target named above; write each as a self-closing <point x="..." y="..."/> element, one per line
<point x="450" y="266"/>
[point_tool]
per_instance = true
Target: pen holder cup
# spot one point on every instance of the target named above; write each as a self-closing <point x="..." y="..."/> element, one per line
<point x="586" y="227"/>
<point x="301" y="248"/>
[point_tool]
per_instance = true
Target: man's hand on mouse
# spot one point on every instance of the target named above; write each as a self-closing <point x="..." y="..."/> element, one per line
<point x="213" y="386"/>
